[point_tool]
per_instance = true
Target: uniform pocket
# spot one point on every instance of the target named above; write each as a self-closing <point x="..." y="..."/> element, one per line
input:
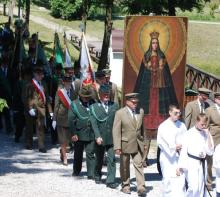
<point x="124" y="139"/>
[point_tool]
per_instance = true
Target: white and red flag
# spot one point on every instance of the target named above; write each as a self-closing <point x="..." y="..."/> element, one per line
<point x="86" y="67"/>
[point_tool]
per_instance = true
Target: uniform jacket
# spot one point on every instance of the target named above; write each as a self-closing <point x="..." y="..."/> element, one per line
<point x="102" y="121"/>
<point x="214" y="123"/>
<point x="126" y="135"/>
<point x="61" y="112"/>
<point x="191" y="111"/>
<point x="75" y="88"/>
<point x="114" y="92"/>
<point x="80" y="121"/>
<point x="33" y="100"/>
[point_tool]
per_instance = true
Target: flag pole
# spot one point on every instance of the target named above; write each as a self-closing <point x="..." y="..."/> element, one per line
<point x="87" y="50"/>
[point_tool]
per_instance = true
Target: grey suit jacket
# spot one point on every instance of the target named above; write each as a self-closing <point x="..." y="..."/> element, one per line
<point x="214" y="123"/>
<point x="128" y="136"/>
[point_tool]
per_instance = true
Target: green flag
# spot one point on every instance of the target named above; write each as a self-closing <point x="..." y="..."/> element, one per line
<point x="58" y="53"/>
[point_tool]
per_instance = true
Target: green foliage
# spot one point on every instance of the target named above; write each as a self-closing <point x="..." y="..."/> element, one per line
<point x="67" y="9"/>
<point x="42" y="3"/>
<point x="56" y="8"/>
<point x="159" y="7"/>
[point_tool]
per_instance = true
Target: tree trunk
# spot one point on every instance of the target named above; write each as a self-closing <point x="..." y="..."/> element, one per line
<point x="27" y="12"/>
<point x="106" y="40"/>
<point x="171" y="8"/>
<point x="85" y="14"/>
<point x="4" y="9"/>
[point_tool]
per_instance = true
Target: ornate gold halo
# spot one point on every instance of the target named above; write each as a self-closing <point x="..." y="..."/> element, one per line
<point x="172" y="39"/>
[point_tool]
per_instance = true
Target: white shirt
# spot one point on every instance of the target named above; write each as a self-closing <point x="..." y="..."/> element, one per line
<point x="132" y="113"/>
<point x="195" y="143"/>
<point x="201" y="107"/>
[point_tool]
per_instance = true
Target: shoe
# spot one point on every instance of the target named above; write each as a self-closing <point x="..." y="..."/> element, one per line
<point x="98" y="180"/>
<point x="75" y="174"/>
<point x="90" y="177"/>
<point x="112" y="185"/>
<point x="126" y="190"/>
<point x="61" y="156"/>
<point x="209" y="187"/>
<point x="65" y="162"/>
<point x="42" y="150"/>
<point x="28" y="148"/>
<point x="141" y="191"/>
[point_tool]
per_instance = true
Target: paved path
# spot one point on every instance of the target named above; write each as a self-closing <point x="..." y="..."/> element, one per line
<point x="25" y="173"/>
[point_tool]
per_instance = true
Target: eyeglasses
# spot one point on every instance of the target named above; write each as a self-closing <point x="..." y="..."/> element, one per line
<point x="177" y="113"/>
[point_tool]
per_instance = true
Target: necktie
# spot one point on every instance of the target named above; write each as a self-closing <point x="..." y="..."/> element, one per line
<point x="133" y="117"/>
<point x="202" y="108"/>
<point x="68" y="93"/>
<point x="106" y="107"/>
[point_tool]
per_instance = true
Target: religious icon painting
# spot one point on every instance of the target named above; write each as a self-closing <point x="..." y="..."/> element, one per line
<point x="154" y="64"/>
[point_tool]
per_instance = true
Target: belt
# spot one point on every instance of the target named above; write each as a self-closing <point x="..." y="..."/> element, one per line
<point x="202" y="160"/>
<point x="196" y="158"/>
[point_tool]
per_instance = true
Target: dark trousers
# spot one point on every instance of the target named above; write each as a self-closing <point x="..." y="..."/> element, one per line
<point x="6" y="114"/>
<point x="19" y="121"/>
<point x="217" y="194"/>
<point x="209" y="170"/>
<point x="79" y="146"/>
<point x="29" y="130"/>
<point x="111" y="167"/>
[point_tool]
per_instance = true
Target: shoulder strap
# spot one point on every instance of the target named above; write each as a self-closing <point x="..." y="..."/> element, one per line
<point x="76" y="111"/>
<point x="95" y="115"/>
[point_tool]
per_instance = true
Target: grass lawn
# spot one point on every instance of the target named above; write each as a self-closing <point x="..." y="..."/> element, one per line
<point x="203" y="48"/>
<point x="203" y="43"/>
<point x="203" y="39"/>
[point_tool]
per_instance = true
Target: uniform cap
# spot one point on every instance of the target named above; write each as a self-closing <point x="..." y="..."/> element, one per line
<point x="204" y="91"/>
<point x="38" y="69"/>
<point x="85" y="91"/>
<point x="107" y="72"/>
<point x="216" y="94"/>
<point x="132" y="95"/>
<point x="67" y="78"/>
<point x="68" y="66"/>
<point x="104" y="88"/>
<point x="99" y="74"/>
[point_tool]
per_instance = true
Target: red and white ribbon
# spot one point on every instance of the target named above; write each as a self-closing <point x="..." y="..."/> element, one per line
<point x="62" y="93"/>
<point x="39" y="89"/>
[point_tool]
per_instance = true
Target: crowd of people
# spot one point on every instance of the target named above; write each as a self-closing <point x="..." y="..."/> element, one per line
<point x="88" y="113"/>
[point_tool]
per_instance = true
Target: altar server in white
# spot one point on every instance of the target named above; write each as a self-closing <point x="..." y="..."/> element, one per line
<point x="169" y="140"/>
<point x="196" y="145"/>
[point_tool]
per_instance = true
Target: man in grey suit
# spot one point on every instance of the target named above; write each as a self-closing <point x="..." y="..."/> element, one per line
<point x="196" y="107"/>
<point x="213" y="113"/>
<point x="128" y="139"/>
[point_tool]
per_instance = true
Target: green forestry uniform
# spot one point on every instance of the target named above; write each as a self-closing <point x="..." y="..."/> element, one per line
<point x="80" y="125"/>
<point x="102" y="118"/>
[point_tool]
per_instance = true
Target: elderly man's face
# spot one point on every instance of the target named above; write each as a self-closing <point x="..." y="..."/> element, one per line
<point x="132" y="103"/>
<point x="104" y="97"/>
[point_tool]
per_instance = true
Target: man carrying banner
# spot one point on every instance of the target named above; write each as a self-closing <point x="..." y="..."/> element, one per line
<point x="63" y="100"/>
<point x="75" y="86"/>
